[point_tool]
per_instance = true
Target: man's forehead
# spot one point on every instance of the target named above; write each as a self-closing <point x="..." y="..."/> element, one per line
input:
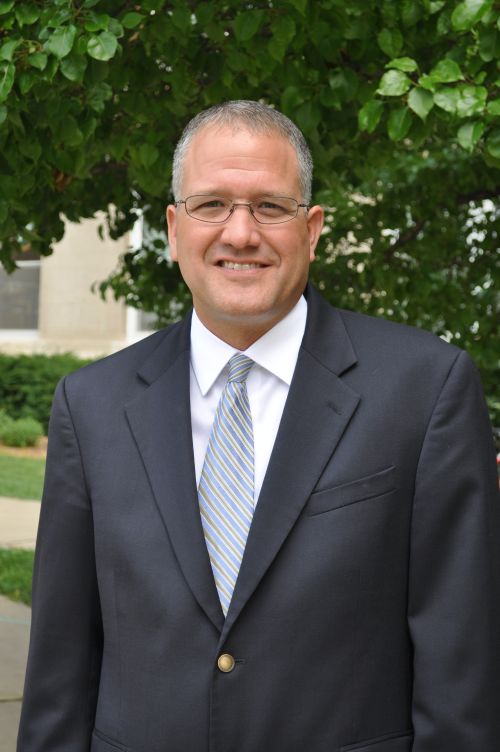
<point x="229" y="136"/>
<point x="235" y="149"/>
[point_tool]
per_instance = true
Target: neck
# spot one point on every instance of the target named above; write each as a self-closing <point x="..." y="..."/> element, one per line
<point x="238" y="336"/>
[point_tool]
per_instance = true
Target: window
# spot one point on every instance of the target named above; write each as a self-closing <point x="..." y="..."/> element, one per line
<point x="19" y="293"/>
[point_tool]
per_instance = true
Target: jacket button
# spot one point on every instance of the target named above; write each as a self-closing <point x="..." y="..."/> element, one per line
<point x="225" y="662"/>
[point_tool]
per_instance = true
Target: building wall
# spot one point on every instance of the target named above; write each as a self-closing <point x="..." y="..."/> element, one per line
<point x="72" y="316"/>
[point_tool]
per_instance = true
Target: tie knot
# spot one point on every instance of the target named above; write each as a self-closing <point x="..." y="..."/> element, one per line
<point x="239" y="367"/>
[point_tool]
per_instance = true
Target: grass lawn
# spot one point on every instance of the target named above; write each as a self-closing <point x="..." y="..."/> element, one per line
<point x="16" y="567"/>
<point x="21" y="477"/>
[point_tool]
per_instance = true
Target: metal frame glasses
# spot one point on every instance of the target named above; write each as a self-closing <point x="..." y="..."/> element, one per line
<point x="266" y="210"/>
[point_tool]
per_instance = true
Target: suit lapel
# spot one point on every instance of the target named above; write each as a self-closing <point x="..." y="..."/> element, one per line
<point x="317" y="411"/>
<point x="160" y="421"/>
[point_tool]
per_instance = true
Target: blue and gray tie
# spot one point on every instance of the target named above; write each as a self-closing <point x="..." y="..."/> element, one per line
<point x="226" y="489"/>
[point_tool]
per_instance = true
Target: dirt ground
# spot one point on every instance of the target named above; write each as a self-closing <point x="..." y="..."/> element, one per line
<point x="38" y="452"/>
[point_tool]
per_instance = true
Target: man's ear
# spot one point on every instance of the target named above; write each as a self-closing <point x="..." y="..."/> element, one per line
<point x="315" y="220"/>
<point x="172" y="231"/>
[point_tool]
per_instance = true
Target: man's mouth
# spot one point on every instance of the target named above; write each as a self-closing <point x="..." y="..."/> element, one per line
<point x="240" y="267"/>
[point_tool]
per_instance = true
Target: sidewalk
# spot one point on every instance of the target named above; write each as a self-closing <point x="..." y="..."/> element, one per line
<point x="18" y="525"/>
<point x="18" y="522"/>
<point x="14" y="635"/>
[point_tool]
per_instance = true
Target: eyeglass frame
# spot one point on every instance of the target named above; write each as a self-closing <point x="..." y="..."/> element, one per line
<point x="233" y="206"/>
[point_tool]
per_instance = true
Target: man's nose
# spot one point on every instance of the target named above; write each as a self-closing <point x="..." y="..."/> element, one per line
<point x="241" y="229"/>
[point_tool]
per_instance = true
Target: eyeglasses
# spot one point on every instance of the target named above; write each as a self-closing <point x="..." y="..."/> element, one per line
<point x="268" y="210"/>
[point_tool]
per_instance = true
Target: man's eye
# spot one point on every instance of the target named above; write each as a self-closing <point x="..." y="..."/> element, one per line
<point x="214" y="203"/>
<point x="272" y="209"/>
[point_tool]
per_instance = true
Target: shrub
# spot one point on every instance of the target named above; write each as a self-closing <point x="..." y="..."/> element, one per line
<point x="27" y="383"/>
<point x="5" y="421"/>
<point x="21" y="433"/>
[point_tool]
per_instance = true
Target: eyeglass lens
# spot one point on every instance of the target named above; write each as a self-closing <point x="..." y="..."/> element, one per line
<point x="267" y="209"/>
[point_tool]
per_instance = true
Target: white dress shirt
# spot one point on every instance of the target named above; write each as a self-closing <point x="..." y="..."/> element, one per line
<point x="275" y="356"/>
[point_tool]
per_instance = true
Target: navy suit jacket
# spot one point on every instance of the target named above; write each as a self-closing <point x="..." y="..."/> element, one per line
<point x="365" y="617"/>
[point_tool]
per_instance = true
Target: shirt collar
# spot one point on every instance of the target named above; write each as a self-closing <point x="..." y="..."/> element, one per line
<point x="276" y="351"/>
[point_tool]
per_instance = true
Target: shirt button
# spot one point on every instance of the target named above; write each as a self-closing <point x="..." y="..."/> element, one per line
<point x="225" y="662"/>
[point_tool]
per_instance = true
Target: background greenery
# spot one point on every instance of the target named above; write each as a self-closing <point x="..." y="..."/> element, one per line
<point x="399" y="100"/>
<point x="27" y="383"/>
<point x="21" y="477"/>
<point x="16" y="569"/>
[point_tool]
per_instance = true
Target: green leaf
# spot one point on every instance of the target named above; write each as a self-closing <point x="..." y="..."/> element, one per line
<point x="247" y="24"/>
<point x="73" y="67"/>
<point x="494" y="107"/>
<point x="70" y="132"/>
<point x="3" y="113"/>
<point x="493" y="143"/>
<point x="308" y="116"/>
<point x="7" y="50"/>
<point x="467" y="13"/>
<point x="30" y="148"/>
<point x="394" y="83"/>
<point x="61" y="41"/>
<point x="398" y="124"/>
<point x="410" y="12"/>
<point x="434" y="6"/>
<point x="427" y="82"/>
<point x="27" y="80"/>
<point x="116" y="28"/>
<point x="283" y="31"/>
<point x="181" y="17"/>
<point x="369" y="115"/>
<point x="291" y="98"/>
<point x="5" y="6"/>
<point x="26" y="14"/>
<point x="390" y="41"/>
<point x="469" y="134"/>
<point x="406" y="64"/>
<point x="446" y="71"/>
<point x="132" y="19"/>
<point x="421" y="102"/>
<point x="102" y="46"/>
<point x="98" y="95"/>
<point x="472" y="100"/>
<point x="447" y="98"/>
<point x="97" y="22"/>
<point x="7" y="76"/>
<point x="300" y="5"/>
<point x="148" y="154"/>
<point x="38" y="60"/>
<point x="489" y="44"/>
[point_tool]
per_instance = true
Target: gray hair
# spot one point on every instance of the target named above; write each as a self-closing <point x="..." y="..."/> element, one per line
<point x="254" y="117"/>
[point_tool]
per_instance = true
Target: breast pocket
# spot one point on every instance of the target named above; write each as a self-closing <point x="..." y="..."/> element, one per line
<point x="390" y="743"/>
<point x="367" y="488"/>
<point x="103" y="743"/>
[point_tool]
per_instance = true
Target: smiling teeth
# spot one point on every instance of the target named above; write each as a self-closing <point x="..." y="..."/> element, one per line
<point x="239" y="267"/>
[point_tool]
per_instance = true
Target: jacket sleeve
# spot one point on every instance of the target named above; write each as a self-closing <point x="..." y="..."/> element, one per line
<point x="66" y="635"/>
<point x="454" y="583"/>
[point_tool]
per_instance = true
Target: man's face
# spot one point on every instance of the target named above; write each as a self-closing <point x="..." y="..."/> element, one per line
<point x="242" y="166"/>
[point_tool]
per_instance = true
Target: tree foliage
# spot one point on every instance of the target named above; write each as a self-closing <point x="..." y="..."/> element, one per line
<point x="399" y="100"/>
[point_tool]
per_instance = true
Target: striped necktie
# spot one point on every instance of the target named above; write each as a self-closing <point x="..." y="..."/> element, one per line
<point x="226" y="488"/>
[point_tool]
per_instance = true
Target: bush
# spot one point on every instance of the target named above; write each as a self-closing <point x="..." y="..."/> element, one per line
<point x="21" y="433"/>
<point x="5" y="421"/>
<point x="27" y="383"/>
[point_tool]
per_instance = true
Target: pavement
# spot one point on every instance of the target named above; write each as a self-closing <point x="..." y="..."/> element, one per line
<point x="18" y="526"/>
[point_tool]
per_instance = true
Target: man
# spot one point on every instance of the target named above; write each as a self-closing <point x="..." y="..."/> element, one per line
<point x="274" y="526"/>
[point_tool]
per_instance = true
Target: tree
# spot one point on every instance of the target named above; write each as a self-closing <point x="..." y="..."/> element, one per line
<point x="399" y="100"/>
